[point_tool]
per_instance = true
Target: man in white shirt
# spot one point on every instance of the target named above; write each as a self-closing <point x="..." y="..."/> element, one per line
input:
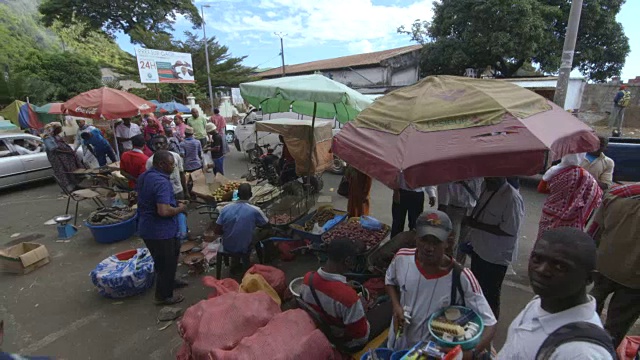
<point x="124" y="133"/>
<point x="421" y="281"/>
<point x="178" y="178"/>
<point x="495" y="223"/>
<point x="409" y="203"/>
<point x="599" y="165"/>
<point x="561" y="266"/>
<point x="458" y="199"/>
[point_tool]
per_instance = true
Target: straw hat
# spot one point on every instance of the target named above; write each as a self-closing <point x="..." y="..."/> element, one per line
<point x="188" y="130"/>
<point x="210" y="127"/>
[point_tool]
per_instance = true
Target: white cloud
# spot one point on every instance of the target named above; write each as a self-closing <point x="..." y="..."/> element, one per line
<point x="358" y="23"/>
<point x="360" y="47"/>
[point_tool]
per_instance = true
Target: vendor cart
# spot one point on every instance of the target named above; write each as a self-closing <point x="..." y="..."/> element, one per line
<point x="305" y="161"/>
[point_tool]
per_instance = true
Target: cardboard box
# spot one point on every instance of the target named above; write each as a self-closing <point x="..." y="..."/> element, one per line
<point x="23" y="258"/>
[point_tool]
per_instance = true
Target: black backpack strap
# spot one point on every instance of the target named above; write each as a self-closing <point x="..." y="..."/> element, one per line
<point x="324" y="327"/>
<point x="313" y="293"/>
<point x="576" y="331"/>
<point x="456" y="285"/>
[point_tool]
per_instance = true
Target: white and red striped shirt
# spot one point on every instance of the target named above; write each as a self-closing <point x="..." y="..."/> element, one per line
<point x="341" y="307"/>
<point x="424" y="294"/>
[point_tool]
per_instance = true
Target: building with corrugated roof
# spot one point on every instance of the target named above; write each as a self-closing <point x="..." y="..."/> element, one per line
<point x="371" y="73"/>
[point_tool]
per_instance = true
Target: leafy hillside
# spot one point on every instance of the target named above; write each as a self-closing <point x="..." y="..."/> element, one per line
<point x="21" y="32"/>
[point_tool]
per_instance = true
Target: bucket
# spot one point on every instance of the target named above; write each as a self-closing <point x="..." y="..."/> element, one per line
<point x="381" y="353"/>
<point x="399" y="354"/>
<point x="107" y="234"/>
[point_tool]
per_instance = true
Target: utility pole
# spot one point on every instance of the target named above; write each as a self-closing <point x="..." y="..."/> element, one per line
<point x="206" y="53"/>
<point x="567" y="53"/>
<point x="281" y="35"/>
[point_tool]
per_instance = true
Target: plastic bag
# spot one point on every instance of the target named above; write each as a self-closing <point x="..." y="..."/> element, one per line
<point x="370" y="223"/>
<point x="317" y="229"/>
<point x="118" y="278"/>
<point x="333" y="222"/>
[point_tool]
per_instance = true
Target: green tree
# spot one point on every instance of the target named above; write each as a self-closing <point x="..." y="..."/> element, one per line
<point x="508" y="34"/>
<point x="50" y="77"/>
<point x="155" y="16"/>
<point x="97" y="46"/>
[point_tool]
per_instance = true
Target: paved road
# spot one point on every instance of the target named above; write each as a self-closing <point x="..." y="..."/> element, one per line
<point x="56" y="311"/>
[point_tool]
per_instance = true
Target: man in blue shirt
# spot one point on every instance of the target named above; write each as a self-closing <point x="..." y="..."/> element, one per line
<point x="237" y="224"/>
<point x="158" y="226"/>
<point x="192" y="150"/>
<point x="99" y="146"/>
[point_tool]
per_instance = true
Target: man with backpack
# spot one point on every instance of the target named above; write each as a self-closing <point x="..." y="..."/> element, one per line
<point x="494" y="227"/>
<point x="424" y="280"/>
<point x="561" y="321"/>
<point x="620" y="103"/>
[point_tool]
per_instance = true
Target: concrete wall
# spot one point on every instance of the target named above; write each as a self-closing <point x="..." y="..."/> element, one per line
<point x="359" y="77"/>
<point x="404" y="77"/>
<point x="597" y="101"/>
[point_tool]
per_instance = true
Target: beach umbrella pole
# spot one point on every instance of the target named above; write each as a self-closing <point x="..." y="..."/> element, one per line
<point x="311" y="146"/>
<point x="115" y="139"/>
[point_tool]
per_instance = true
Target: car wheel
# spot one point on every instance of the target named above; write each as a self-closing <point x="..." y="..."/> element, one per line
<point x="230" y="136"/>
<point x="337" y="167"/>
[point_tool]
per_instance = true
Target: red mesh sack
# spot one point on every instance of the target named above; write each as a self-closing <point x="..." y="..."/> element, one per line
<point x="222" y="322"/>
<point x="275" y="277"/>
<point x="629" y="348"/>
<point x="285" y="247"/>
<point x="289" y="335"/>
<point x="220" y="287"/>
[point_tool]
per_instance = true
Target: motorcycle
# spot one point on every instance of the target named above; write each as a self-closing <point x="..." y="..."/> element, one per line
<point x="278" y="172"/>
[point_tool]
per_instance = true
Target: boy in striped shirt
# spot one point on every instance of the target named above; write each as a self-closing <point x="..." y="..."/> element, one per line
<point x="420" y="281"/>
<point x="335" y="300"/>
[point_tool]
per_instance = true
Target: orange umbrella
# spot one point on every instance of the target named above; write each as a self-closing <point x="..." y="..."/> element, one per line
<point x="108" y="103"/>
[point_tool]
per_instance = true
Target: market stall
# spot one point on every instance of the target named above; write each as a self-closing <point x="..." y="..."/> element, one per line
<point x="464" y="128"/>
<point x="312" y="95"/>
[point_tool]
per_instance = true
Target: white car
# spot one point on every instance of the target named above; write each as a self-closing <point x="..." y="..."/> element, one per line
<point x="17" y="169"/>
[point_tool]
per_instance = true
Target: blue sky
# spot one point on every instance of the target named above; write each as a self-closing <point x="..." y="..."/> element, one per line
<point x="321" y="29"/>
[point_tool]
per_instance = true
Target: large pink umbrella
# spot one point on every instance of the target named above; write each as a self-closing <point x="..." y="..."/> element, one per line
<point x="108" y="103"/>
<point x="401" y="155"/>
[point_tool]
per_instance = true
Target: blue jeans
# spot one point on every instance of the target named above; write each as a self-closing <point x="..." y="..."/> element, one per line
<point x="219" y="165"/>
<point x="102" y="154"/>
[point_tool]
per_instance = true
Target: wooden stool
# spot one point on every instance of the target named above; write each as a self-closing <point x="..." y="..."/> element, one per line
<point x="225" y="256"/>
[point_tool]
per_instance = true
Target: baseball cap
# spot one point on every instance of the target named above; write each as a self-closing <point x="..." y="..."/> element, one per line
<point x="434" y="222"/>
<point x="210" y="127"/>
<point x="188" y="130"/>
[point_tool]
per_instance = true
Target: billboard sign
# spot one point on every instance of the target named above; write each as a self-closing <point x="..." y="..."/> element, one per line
<point x="158" y="66"/>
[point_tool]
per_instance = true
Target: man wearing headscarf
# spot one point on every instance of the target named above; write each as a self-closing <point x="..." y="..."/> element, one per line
<point x="573" y="195"/>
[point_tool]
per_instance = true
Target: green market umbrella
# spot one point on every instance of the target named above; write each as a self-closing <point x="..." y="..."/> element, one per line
<point x="311" y="95"/>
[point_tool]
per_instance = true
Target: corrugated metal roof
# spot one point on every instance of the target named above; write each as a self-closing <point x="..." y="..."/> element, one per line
<point x="341" y="62"/>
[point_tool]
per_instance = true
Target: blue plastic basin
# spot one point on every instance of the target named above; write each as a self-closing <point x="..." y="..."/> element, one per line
<point x="381" y="353"/>
<point x="399" y="354"/>
<point x="107" y="234"/>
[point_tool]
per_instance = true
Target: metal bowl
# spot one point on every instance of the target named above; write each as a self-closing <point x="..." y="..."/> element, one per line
<point x="295" y="286"/>
<point x="60" y="219"/>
